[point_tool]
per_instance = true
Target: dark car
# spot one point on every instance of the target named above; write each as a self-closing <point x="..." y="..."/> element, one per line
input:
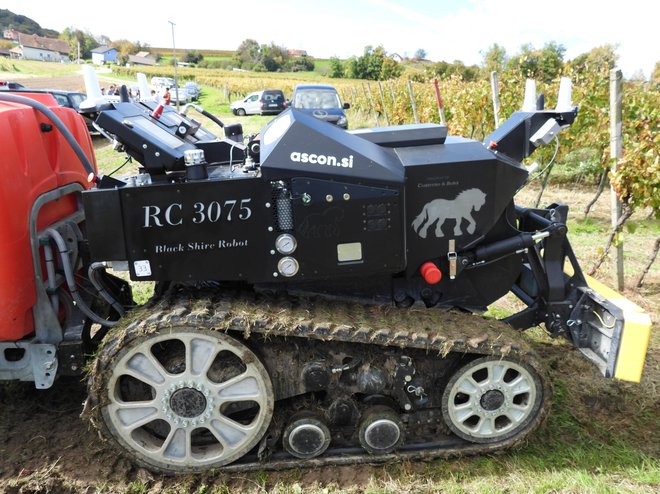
<point x="322" y="101"/>
<point x="265" y="102"/>
<point x="10" y="85"/>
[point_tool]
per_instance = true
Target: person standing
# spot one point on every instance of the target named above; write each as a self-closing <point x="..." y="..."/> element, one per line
<point x="167" y="97"/>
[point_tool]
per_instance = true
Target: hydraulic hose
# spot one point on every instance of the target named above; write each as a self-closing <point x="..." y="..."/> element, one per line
<point x="50" y="115"/>
<point x="203" y="112"/>
<point x="93" y="275"/>
<point x="71" y="282"/>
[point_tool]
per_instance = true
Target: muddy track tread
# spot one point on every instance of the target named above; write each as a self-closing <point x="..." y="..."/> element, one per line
<point x="245" y="314"/>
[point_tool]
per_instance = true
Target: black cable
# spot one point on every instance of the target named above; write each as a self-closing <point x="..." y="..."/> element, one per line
<point x="128" y="160"/>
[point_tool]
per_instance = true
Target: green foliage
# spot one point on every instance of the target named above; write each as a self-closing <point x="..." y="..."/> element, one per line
<point x="545" y="64"/>
<point x="336" y="68"/>
<point x="443" y="70"/>
<point x="193" y="56"/>
<point x="420" y="54"/>
<point x="494" y="59"/>
<point x="86" y="39"/>
<point x="269" y="58"/>
<point x="637" y="177"/>
<point x="126" y="48"/>
<point x="374" y="65"/>
<point x="300" y="64"/>
<point x="595" y="60"/>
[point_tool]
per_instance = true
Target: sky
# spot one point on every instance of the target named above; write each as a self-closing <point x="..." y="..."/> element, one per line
<point x="446" y="29"/>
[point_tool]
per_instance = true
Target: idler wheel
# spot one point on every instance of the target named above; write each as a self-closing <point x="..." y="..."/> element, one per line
<point x="381" y="431"/>
<point x="306" y="437"/>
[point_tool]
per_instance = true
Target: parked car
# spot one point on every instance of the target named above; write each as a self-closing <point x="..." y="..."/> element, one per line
<point x="162" y="82"/>
<point x="176" y="94"/>
<point x="322" y="101"/>
<point x="193" y="90"/>
<point x="266" y="102"/>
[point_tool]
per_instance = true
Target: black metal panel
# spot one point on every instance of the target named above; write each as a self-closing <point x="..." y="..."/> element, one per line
<point x="199" y="230"/>
<point x="342" y="215"/>
<point x="153" y="142"/>
<point x="104" y="227"/>
<point x="404" y="135"/>
<point x="297" y="144"/>
<point x="447" y="198"/>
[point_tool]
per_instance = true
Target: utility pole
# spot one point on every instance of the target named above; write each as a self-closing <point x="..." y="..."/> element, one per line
<point x="176" y="79"/>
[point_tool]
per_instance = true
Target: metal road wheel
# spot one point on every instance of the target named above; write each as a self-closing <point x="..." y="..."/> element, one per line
<point x="186" y="401"/>
<point x="492" y="399"/>
<point x="240" y="112"/>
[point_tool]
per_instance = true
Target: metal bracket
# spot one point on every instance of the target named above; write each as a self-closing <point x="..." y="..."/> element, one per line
<point x="38" y="363"/>
<point x="452" y="257"/>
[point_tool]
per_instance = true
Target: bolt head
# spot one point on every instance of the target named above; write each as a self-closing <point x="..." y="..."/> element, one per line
<point x="407" y="406"/>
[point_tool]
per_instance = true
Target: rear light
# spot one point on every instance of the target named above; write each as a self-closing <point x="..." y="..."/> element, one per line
<point x="262" y="105"/>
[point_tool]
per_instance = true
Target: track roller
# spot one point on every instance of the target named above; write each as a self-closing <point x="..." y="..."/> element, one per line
<point x="381" y="430"/>
<point x="306" y="437"/>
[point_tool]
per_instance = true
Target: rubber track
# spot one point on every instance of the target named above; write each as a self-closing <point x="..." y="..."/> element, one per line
<point x="244" y="314"/>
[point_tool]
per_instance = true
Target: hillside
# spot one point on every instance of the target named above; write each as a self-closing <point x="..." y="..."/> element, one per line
<point x="24" y="24"/>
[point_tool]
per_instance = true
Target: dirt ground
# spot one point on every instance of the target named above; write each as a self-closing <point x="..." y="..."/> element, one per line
<point x="46" y="447"/>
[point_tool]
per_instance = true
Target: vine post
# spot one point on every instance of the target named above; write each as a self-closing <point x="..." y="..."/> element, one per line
<point x="495" y="89"/>
<point x="616" y="152"/>
<point x="412" y="101"/>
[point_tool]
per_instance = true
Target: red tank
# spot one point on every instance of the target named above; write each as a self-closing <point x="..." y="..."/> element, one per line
<point x="33" y="161"/>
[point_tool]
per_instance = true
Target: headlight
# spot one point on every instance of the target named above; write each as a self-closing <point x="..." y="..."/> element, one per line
<point x="342" y="121"/>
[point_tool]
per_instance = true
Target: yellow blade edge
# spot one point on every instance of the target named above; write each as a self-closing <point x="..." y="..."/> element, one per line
<point x="636" y="333"/>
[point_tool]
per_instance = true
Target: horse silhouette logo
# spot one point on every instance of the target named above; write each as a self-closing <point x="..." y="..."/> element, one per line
<point x="440" y="210"/>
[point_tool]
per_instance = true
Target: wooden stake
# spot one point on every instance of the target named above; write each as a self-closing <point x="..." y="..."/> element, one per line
<point x="412" y="101"/>
<point x="495" y="89"/>
<point x="616" y="152"/>
<point x="382" y="102"/>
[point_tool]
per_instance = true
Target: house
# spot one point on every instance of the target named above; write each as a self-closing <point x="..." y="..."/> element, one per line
<point x="11" y="34"/>
<point x="297" y="53"/>
<point x="4" y="52"/>
<point x="104" y="54"/>
<point x="141" y="58"/>
<point x="33" y="47"/>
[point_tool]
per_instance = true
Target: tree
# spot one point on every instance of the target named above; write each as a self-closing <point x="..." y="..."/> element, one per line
<point x="75" y="36"/>
<point x="551" y="61"/>
<point x="655" y="77"/>
<point x="336" y="68"/>
<point x="545" y="64"/>
<point x="370" y="65"/>
<point x="193" y="56"/>
<point x="596" y="59"/>
<point x="390" y="69"/>
<point x="248" y="54"/>
<point x="420" y="54"/>
<point x="494" y="58"/>
<point x="439" y="69"/>
<point x="302" y="63"/>
<point x="125" y="48"/>
<point x="267" y="58"/>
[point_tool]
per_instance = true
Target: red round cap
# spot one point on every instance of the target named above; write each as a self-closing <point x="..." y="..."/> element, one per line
<point x="430" y="273"/>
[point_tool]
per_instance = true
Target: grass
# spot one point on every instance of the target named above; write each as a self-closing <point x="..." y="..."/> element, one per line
<point x="21" y="69"/>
